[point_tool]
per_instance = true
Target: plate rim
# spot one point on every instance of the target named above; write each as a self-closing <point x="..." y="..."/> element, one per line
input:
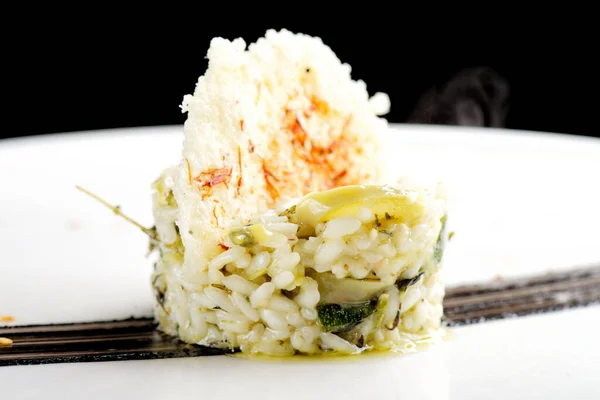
<point x="104" y="133"/>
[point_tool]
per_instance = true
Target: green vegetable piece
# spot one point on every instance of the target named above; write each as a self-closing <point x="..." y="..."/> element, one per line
<point x="341" y="318"/>
<point x="176" y="249"/>
<point x="380" y="310"/>
<point x="165" y="195"/>
<point x="441" y="242"/>
<point x="346" y="291"/>
<point x="405" y="283"/>
<point x="170" y="199"/>
<point x="385" y="202"/>
<point x="242" y="237"/>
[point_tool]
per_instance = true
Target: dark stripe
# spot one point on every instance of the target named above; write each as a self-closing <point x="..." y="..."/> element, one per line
<point x="137" y="339"/>
<point x="580" y="274"/>
<point x="112" y="326"/>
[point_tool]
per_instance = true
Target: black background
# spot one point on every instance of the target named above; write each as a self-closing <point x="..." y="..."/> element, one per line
<point x="107" y="72"/>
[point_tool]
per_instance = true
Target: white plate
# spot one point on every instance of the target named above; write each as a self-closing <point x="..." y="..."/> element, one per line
<point x="521" y="203"/>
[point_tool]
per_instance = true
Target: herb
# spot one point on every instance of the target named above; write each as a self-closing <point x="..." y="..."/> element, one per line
<point x="288" y="212"/>
<point x="386" y="232"/>
<point x="153" y="244"/>
<point x="170" y="199"/>
<point x="150" y="232"/>
<point x="361" y="341"/>
<point x="395" y="322"/>
<point x="159" y="293"/>
<point x="405" y="283"/>
<point x="376" y="224"/>
<point x="387" y="216"/>
<point x="177" y="249"/>
<point x="343" y="317"/>
<point x="438" y="252"/>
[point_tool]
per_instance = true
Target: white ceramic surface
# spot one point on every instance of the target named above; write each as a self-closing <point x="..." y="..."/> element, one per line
<point x="520" y="203"/>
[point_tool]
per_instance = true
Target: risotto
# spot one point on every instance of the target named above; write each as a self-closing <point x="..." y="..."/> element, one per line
<point x="279" y="232"/>
<point x="345" y="270"/>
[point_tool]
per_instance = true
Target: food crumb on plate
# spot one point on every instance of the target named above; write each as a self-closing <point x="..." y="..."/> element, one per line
<point x="73" y="225"/>
<point x="5" y="342"/>
<point x="7" y="318"/>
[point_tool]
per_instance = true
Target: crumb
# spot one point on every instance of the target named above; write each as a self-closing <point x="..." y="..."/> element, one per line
<point x="73" y="225"/>
<point x="5" y="342"/>
<point x="498" y="277"/>
<point x="7" y="318"/>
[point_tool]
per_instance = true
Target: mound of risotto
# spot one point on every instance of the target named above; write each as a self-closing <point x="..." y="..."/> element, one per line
<point x="279" y="232"/>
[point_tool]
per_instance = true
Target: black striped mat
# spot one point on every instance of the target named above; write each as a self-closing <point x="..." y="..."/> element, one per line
<point x="136" y="339"/>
